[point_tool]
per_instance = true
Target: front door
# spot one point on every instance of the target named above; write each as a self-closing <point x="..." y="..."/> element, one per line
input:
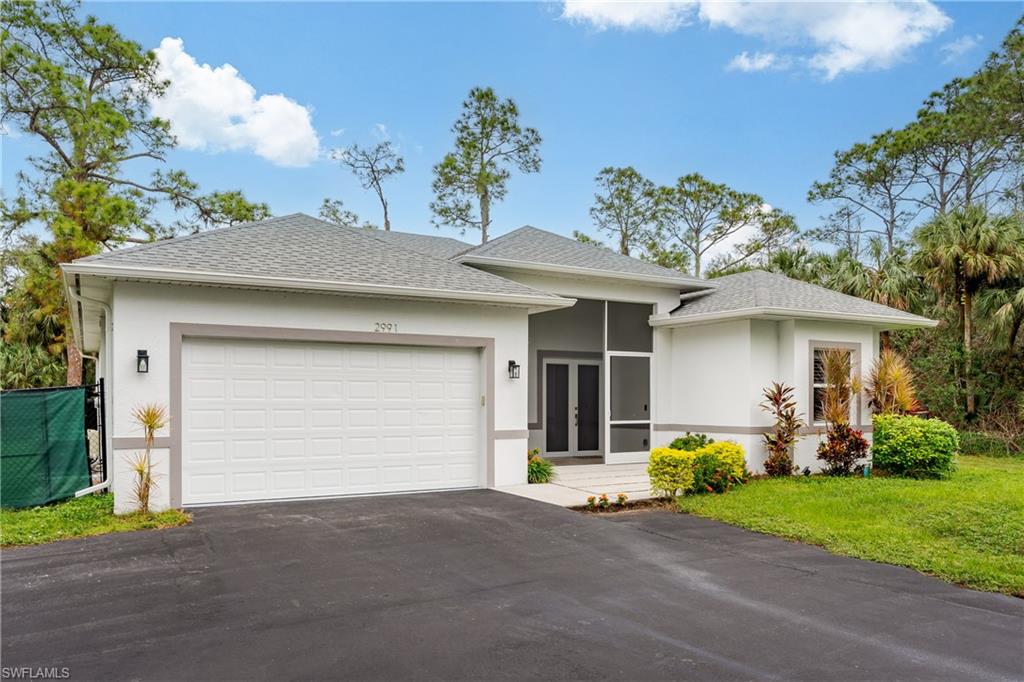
<point x="572" y="394"/>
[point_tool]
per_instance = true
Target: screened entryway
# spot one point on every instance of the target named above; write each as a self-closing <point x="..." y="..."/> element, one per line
<point x="590" y="380"/>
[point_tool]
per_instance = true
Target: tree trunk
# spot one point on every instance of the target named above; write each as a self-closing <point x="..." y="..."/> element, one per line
<point x="485" y="215"/>
<point x="696" y="265"/>
<point x="1014" y="330"/>
<point x="623" y="243"/>
<point x="74" y="357"/>
<point x="885" y="340"/>
<point x="968" y="381"/>
<point x="387" y="220"/>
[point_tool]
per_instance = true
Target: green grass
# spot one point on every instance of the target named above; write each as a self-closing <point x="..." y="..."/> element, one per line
<point x="968" y="529"/>
<point x="77" y="518"/>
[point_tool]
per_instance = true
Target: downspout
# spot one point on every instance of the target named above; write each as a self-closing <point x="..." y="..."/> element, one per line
<point x="107" y="350"/>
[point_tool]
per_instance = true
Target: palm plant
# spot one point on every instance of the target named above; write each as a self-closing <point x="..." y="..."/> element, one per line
<point x="959" y="254"/>
<point x="151" y="417"/>
<point x="841" y="386"/>
<point x="844" y="445"/>
<point x="1004" y="307"/>
<point x="890" y="385"/>
<point x="886" y="278"/>
<point x="799" y="263"/>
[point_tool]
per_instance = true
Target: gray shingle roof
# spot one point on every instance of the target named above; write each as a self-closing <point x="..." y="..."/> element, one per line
<point x="300" y="247"/>
<point x="427" y="244"/>
<point x="532" y="245"/>
<point x="758" y="289"/>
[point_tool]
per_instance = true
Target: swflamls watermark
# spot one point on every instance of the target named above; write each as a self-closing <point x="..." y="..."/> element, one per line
<point x="26" y="672"/>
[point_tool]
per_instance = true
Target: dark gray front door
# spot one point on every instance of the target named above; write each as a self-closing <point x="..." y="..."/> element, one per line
<point x="572" y="408"/>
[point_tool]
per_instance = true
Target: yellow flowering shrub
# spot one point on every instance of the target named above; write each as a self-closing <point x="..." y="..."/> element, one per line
<point x="729" y="453"/>
<point x="672" y="471"/>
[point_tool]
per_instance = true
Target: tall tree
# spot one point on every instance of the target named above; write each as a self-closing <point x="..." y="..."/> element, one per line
<point x="1003" y="305"/>
<point x="584" y="238"/>
<point x="886" y="278"/>
<point x="876" y="180"/>
<point x="82" y="91"/>
<point x="488" y="142"/>
<point x="843" y="228"/>
<point x="334" y="211"/>
<point x="625" y="206"/>
<point x="697" y="215"/>
<point x="960" y="253"/>
<point x="372" y="166"/>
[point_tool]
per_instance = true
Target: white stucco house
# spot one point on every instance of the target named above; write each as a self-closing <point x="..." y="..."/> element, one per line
<point x="303" y="359"/>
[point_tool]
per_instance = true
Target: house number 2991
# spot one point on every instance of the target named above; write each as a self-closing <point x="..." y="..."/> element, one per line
<point x="386" y="327"/>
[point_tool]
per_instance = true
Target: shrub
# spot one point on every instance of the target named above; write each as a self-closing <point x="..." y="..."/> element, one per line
<point x="841" y="387"/>
<point x="712" y="475"/>
<point x="914" y="447"/>
<point x="842" y="449"/>
<point x="670" y="471"/>
<point x="779" y="402"/>
<point x="673" y="472"/>
<point x="691" y="441"/>
<point x="538" y="469"/>
<point x="890" y="386"/>
<point x="987" y="444"/>
<point x="731" y="454"/>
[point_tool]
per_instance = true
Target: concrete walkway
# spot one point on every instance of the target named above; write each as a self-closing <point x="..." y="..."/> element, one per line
<point x="574" y="483"/>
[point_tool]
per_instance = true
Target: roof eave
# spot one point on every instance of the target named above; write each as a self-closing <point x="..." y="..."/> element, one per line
<point x="284" y="283"/>
<point x="680" y="283"/>
<point x="881" y="321"/>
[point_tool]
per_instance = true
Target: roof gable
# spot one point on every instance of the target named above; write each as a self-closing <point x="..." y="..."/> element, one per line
<point x="299" y="247"/>
<point x="759" y="292"/>
<point x="532" y="246"/>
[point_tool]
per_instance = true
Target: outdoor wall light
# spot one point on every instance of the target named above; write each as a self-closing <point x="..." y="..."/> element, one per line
<point x="142" y="362"/>
<point x="513" y="369"/>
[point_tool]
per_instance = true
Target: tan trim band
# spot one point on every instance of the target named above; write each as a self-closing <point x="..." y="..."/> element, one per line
<point x="181" y="330"/>
<point x="140" y="442"/>
<point x="744" y="430"/>
<point x="511" y="434"/>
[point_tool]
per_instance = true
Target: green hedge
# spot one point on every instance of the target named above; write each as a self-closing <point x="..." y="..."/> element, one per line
<point x="987" y="445"/>
<point x="914" y="447"/>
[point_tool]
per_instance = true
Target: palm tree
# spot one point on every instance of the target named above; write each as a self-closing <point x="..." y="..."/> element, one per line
<point x="959" y="254"/>
<point x="1004" y="306"/>
<point x="887" y="278"/>
<point x="799" y="263"/>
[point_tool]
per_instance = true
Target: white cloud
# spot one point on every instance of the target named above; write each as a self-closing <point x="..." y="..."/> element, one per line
<point x="828" y="37"/>
<point x="758" y="61"/>
<point x="380" y="131"/>
<point x="655" y="16"/>
<point x="337" y="132"/>
<point x="216" y="109"/>
<point x="955" y="49"/>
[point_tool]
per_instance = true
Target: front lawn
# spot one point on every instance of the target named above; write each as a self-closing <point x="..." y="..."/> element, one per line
<point x="967" y="530"/>
<point x="76" y="518"/>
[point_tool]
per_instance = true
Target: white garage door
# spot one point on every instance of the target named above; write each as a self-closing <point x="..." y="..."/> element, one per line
<point x="269" y="420"/>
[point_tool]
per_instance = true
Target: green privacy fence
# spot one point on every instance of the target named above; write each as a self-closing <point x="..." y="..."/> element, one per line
<point x="44" y="452"/>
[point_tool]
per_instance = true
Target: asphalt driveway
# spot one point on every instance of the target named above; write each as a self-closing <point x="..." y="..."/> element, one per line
<point x="485" y="585"/>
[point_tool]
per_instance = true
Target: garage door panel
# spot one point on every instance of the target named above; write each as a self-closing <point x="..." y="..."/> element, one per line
<point x="264" y="420"/>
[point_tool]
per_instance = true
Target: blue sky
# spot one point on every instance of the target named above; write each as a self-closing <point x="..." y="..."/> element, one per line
<point x="659" y="88"/>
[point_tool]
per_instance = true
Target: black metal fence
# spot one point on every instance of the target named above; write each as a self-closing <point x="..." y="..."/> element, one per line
<point x="51" y="443"/>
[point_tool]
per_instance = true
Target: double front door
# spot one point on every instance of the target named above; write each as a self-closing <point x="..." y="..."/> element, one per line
<point x="572" y="402"/>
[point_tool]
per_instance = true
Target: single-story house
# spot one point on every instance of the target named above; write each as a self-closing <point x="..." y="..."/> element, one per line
<point x="301" y="359"/>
